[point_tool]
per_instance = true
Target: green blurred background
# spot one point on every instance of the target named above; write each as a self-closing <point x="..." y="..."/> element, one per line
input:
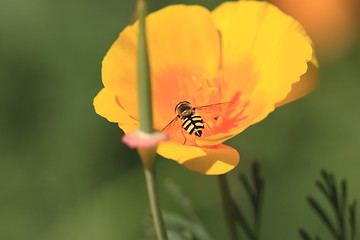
<point x="65" y="175"/>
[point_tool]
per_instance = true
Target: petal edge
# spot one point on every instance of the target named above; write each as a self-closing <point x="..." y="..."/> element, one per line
<point x="216" y="160"/>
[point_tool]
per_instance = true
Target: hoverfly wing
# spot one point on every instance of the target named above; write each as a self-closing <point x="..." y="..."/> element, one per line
<point x="175" y="130"/>
<point x="214" y="110"/>
<point x="211" y="113"/>
<point x="172" y="127"/>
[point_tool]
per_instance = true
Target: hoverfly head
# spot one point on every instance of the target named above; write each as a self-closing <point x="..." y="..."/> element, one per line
<point x="184" y="109"/>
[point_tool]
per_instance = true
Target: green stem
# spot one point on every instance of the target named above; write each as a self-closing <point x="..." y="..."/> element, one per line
<point x="144" y="81"/>
<point x="146" y="121"/>
<point x="150" y="178"/>
<point x="227" y="206"/>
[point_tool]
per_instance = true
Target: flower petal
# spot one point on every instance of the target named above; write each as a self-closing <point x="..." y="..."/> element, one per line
<point x="183" y="44"/>
<point x="332" y="24"/>
<point x="184" y="37"/>
<point x="119" y="69"/>
<point x="308" y="83"/>
<point x="106" y="106"/>
<point x="211" y="161"/>
<point x="264" y="53"/>
<point x="184" y="48"/>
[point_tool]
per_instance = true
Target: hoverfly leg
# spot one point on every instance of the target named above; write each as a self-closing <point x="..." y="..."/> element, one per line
<point x="209" y="128"/>
<point x="185" y="139"/>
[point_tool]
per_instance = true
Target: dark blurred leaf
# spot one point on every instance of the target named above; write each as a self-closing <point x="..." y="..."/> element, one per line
<point x="352" y="219"/>
<point x="239" y="216"/>
<point x="338" y="200"/>
<point x="191" y="221"/>
<point x="251" y="194"/>
<point x="255" y="195"/>
<point x="304" y="235"/>
<point x="322" y="215"/>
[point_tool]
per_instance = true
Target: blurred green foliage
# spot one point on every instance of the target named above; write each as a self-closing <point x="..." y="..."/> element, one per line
<point x="64" y="173"/>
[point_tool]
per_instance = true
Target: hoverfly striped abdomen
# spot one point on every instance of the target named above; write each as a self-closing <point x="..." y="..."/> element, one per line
<point x="192" y="119"/>
<point x="193" y="124"/>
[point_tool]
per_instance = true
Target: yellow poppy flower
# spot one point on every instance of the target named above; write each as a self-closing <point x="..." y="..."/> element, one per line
<point x="332" y="24"/>
<point x="247" y="52"/>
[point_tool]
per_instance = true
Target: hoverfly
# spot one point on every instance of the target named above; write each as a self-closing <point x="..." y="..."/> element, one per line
<point x="189" y="118"/>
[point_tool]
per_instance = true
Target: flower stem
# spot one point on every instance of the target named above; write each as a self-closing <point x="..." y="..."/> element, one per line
<point x="227" y="206"/>
<point x="144" y="81"/>
<point x="150" y="178"/>
<point x="146" y="122"/>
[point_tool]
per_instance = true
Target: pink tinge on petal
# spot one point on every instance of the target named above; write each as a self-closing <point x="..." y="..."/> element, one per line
<point x="141" y="139"/>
